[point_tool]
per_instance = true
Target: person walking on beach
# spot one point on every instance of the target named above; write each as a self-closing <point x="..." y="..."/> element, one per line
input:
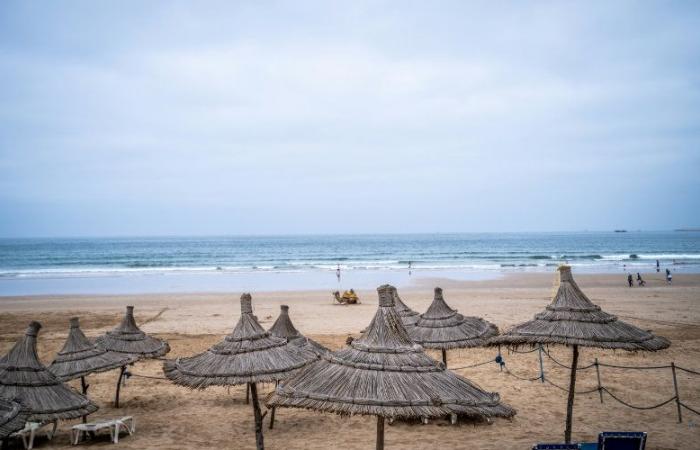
<point x="640" y="282"/>
<point x="657" y="266"/>
<point x="630" y="280"/>
<point x="337" y="273"/>
<point x="669" y="277"/>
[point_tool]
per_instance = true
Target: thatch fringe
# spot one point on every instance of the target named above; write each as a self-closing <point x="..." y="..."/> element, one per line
<point x="409" y="317"/>
<point x="128" y="338"/>
<point x="384" y="373"/>
<point x="572" y="319"/>
<point x="248" y="355"/>
<point x="442" y="327"/>
<point x="13" y="416"/>
<point x="284" y="328"/>
<point x="23" y="377"/>
<point x="80" y="357"/>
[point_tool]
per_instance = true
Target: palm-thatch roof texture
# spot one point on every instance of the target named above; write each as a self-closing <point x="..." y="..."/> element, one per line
<point x="248" y="355"/>
<point x="384" y="373"/>
<point x="284" y="328"/>
<point x="409" y="317"/>
<point x="24" y="377"/>
<point x="442" y="327"/>
<point x="79" y="357"/>
<point x="572" y="319"/>
<point x="13" y="416"/>
<point x="128" y="338"/>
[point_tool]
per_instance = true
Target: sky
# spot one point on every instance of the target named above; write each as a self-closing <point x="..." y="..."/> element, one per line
<point x="218" y="118"/>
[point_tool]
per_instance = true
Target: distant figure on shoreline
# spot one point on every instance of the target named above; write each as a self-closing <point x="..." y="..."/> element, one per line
<point x="640" y="282"/>
<point x="410" y="263"/>
<point x="657" y="266"/>
<point x="669" y="277"/>
<point x="337" y="273"/>
<point x="630" y="280"/>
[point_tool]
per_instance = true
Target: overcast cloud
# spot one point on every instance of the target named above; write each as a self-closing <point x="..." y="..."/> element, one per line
<point x="160" y="118"/>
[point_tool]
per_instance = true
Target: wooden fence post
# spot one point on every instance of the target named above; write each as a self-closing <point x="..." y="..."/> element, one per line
<point x="675" y="388"/>
<point x="541" y="364"/>
<point x="600" y="387"/>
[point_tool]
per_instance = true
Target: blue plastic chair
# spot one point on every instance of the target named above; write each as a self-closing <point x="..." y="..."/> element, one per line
<point x="555" y="447"/>
<point x="622" y="440"/>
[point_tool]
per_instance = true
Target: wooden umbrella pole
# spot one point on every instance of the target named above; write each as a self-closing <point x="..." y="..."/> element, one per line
<point x="84" y="386"/>
<point x="119" y="385"/>
<point x="444" y="357"/>
<point x="272" y="413"/>
<point x="380" y="432"/>
<point x="572" y="393"/>
<point x="247" y="394"/>
<point x="259" y="444"/>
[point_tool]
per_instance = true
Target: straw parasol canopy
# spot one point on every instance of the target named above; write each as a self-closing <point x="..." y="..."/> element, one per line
<point x="24" y="377"/>
<point x="383" y="373"/>
<point x="409" y="317"/>
<point x="13" y="416"/>
<point x="284" y="328"/>
<point x="128" y="338"/>
<point x="79" y="357"/>
<point x="248" y="355"/>
<point x="442" y="327"/>
<point x="572" y="319"/>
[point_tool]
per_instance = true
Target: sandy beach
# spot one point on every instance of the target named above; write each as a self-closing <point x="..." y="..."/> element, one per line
<point x="171" y="417"/>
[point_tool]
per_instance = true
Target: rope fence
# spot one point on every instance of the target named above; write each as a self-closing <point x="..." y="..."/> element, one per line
<point x="600" y="388"/>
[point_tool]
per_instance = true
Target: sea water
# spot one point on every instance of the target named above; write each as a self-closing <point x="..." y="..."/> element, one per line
<point x="197" y="264"/>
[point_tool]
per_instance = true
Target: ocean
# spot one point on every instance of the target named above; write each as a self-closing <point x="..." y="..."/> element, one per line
<point x="194" y="264"/>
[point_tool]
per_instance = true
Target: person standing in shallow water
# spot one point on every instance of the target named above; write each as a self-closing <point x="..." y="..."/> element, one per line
<point x="630" y="280"/>
<point x="669" y="277"/>
<point x="657" y="266"/>
<point x="337" y="273"/>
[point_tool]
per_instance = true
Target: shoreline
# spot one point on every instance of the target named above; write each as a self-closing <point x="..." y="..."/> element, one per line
<point x="222" y="282"/>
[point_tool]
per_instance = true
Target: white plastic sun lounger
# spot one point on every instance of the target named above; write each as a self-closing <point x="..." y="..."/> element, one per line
<point x="29" y="431"/>
<point x="113" y="425"/>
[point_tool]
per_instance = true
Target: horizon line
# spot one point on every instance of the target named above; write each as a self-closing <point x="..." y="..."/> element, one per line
<point x="423" y="233"/>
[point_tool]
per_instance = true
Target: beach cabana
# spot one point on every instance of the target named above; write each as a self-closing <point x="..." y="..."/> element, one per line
<point x="408" y="316"/>
<point x="249" y="355"/>
<point x="284" y="328"/>
<point x="128" y="339"/>
<point x="442" y="327"/>
<point x="571" y="319"/>
<point x="25" y="378"/>
<point x="13" y="416"/>
<point x="384" y="374"/>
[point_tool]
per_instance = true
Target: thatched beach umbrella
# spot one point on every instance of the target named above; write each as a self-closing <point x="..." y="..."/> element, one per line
<point x="572" y="319"/>
<point x="248" y="355"/>
<point x="24" y="377"/>
<point x="284" y="328"/>
<point x="13" y="416"/>
<point x="384" y="374"/>
<point x="79" y="357"/>
<point x="409" y="317"/>
<point x="442" y="327"/>
<point x="127" y="338"/>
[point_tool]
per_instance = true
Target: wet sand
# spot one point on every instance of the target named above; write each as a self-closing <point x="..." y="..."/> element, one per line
<point x="171" y="417"/>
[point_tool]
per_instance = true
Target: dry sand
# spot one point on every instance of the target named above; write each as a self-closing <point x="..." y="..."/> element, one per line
<point x="170" y="417"/>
